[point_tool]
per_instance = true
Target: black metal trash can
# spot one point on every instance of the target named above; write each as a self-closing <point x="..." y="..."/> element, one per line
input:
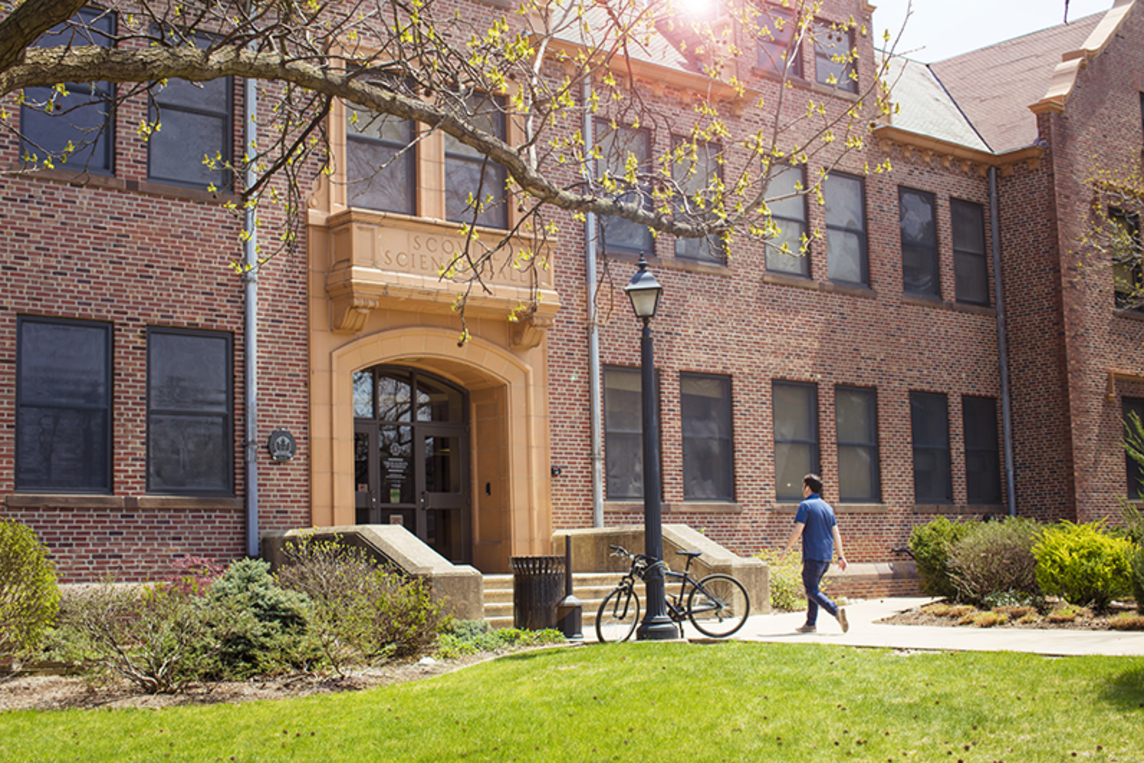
<point x="537" y="587"/>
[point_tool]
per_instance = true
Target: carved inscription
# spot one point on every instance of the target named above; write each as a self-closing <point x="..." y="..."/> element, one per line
<point x="426" y="254"/>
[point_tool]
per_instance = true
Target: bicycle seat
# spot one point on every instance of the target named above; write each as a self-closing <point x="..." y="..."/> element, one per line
<point x="692" y="554"/>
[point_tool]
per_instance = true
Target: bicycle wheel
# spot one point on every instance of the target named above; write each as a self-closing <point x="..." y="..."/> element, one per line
<point x="618" y="616"/>
<point x="718" y="606"/>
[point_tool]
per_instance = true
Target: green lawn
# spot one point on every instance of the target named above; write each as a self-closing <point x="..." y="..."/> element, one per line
<point x="666" y="702"/>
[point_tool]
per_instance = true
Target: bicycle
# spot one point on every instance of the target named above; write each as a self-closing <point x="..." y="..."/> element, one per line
<point x="717" y="605"/>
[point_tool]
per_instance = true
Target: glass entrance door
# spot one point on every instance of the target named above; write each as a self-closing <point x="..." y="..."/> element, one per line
<point x="411" y="454"/>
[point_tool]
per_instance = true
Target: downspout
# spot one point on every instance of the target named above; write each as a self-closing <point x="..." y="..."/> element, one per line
<point x="590" y="231"/>
<point x="1002" y="344"/>
<point x="250" y="283"/>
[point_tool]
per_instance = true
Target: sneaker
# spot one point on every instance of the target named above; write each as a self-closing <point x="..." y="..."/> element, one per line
<point x="806" y="629"/>
<point x="842" y="619"/>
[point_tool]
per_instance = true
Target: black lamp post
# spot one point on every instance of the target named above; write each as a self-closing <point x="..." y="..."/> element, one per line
<point x="644" y="292"/>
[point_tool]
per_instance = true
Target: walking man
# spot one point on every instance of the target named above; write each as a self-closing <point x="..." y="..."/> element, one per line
<point x="815" y="523"/>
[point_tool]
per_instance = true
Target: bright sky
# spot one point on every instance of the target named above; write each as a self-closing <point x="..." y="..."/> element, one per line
<point x="940" y="29"/>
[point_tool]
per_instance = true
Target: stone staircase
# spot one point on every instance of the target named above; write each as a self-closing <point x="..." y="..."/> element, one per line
<point x="589" y="587"/>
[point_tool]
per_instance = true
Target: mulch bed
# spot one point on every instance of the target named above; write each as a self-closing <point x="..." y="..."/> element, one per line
<point x="939" y="614"/>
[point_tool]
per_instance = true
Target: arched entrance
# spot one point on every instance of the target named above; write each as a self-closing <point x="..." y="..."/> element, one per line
<point x="411" y="456"/>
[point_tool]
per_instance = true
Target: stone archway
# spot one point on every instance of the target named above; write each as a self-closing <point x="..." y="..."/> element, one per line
<point x="508" y="415"/>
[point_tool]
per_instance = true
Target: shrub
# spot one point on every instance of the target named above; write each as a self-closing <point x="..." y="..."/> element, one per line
<point x="787" y="591"/>
<point x="1082" y="564"/>
<point x="1066" y="614"/>
<point x="260" y="626"/>
<point x="29" y="596"/>
<point x="993" y="557"/>
<point x="154" y="636"/>
<point x="194" y="573"/>
<point x="1127" y="622"/>
<point x="989" y="619"/>
<point x="930" y="544"/>
<point x="1137" y="564"/>
<point x="357" y="610"/>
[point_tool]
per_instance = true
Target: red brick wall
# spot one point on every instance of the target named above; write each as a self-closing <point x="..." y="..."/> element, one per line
<point x="151" y="256"/>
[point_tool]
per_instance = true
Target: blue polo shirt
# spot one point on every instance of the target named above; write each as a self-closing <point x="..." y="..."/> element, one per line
<point x="818" y="535"/>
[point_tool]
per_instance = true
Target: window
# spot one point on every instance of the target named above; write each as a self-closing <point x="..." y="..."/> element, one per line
<point x="63" y="405"/>
<point x="694" y="174"/>
<point x="381" y="162"/>
<point x="796" y="436"/>
<point x="190" y="439"/>
<point x="856" y="421"/>
<point x="620" y="148"/>
<point x="929" y="422"/>
<point x="196" y="122"/>
<point x="623" y="432"/>
<point x="969" y="265"/>
<point x="789" y="214"/>
<point x="1126" y="267"/>
<point x="81" y="119"/>
<point x="469" y="174"/>
<point x="778" y="50"/>
<point x="845" y="229"/>
<point x="708" y="458"/>
<point x="982" y="458"/>
<point x="834" y="56"/>
<point x="1133" y="407"/>
<point x="919" y="243"/>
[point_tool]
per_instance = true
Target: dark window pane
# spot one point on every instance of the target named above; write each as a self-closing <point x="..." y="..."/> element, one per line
<point x="188" y="453"/>
<point x="394" y="401"/>
<point x="796" y="436"/>
<point x="63" y="411"/>
<point x="620" y="148"/>
<point x="177" y="151"/>
<point x="832" y="52"/>
<point x="930" y="430"/>
<point x="396" y="459"/>
<point x="377" y="177"/>
<point x="467" y="173"/>
<point x="1134" y="467"/>
<point x="695" y="186"/>
<point x="855" y="411"/>
<point x="438" y="402"/>
<point x="189" y="372"/>
<point x="777" y="49"/>
<point x="363" y="395"/>
<point x="623" y="433"/>
<point x="788" y="212"/>
<point x="845" y="229"/>
<point x="969" y="263"/>
<point x="982" y="457"/>
<point x="705" y="413"/>
<point x="189" y="412"/>
<point x="62" y="449"/>
<point x="78" y="130"/>
<point x="919" y="243"/>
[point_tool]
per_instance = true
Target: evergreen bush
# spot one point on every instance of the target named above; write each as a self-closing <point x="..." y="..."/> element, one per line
<point x="29" y="596"/>
<point x="930" y="544"/>
<point x="1083" y="564"/>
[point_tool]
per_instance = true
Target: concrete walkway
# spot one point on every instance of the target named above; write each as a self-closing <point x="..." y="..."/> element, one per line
<point x="866" y="631"/>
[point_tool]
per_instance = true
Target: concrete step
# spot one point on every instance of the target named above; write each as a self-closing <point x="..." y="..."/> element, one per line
<point x="589" y="587"/>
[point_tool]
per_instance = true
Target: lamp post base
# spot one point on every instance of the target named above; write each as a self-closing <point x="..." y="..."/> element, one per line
<point x="657" y="628"/>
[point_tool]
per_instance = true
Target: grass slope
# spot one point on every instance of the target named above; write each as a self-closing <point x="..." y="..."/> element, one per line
<point x="668" y="702"/>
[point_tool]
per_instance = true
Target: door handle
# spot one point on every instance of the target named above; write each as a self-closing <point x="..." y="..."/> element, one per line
<point x="424" y="499"/>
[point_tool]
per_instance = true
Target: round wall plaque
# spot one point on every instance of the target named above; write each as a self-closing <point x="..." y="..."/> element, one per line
<point x="281" y="445"/>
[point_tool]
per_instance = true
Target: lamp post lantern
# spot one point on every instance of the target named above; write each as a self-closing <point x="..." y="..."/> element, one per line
<point x="644" y="292"/>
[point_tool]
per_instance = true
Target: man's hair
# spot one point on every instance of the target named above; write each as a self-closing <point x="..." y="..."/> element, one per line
<point x="814" y="482"/>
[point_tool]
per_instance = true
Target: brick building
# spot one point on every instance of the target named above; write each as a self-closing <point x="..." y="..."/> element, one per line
<point x="892" y="358"/>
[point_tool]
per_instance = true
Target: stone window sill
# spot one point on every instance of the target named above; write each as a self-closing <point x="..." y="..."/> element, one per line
<point x="129" y="502"/>
<point x="674" y="264"/>
<point x="961" y="307"/>
<point x="678" y="507"/>
<point x="958" y="508"/>
<point x="800" y="282"/>
<point x="839" y="508"/>
<point x="139" y="186"/>
<point x="818" y="87"/>
<point x="1131" y="315"/>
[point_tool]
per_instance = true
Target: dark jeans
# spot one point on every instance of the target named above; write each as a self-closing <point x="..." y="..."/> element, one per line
<point x="812" y="574"/>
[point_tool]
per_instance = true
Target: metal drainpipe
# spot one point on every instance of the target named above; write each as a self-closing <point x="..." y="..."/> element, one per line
<point x="590" y="231"/>
<point x="1002" y="343"/>
<point x="250" y="283"/>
